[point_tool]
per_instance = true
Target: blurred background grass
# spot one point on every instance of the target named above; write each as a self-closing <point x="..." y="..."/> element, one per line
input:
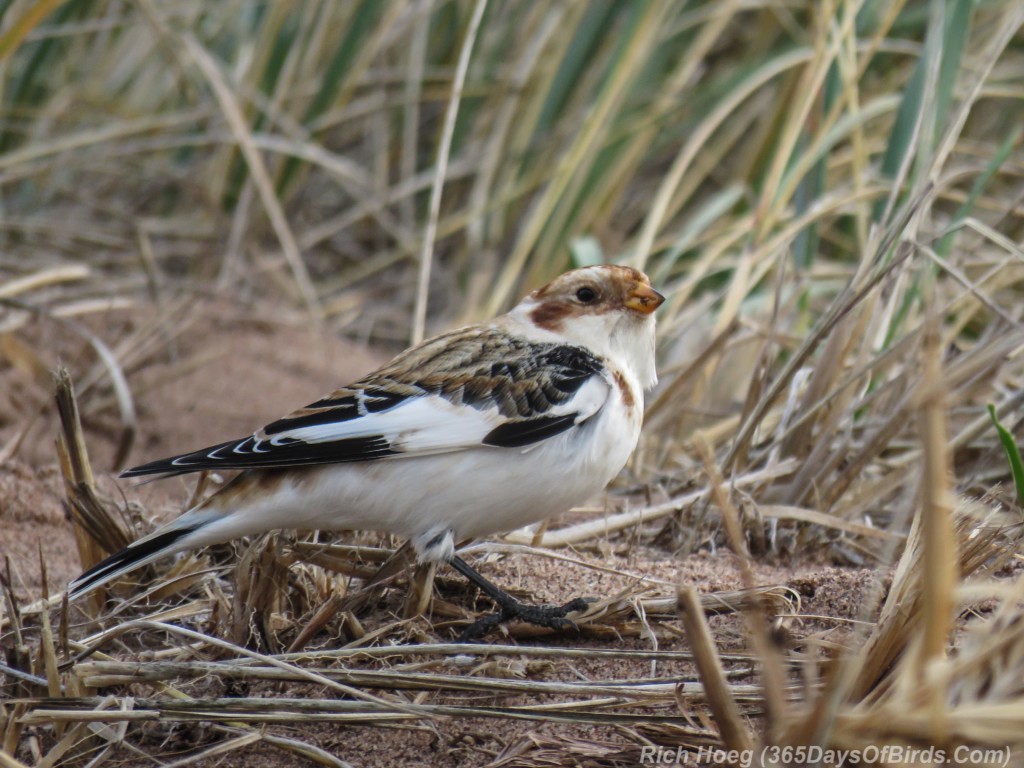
<point x="806" y="181"/>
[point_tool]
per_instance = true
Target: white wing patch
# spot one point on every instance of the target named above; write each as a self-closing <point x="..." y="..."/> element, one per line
<point x="426" y="424"/>
<point x="431" y="424"/>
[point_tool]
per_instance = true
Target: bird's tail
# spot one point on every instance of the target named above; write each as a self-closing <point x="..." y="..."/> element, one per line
<point x="184" y="533"/>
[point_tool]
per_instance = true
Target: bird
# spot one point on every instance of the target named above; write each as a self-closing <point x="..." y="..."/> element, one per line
<point x="483" y="429"/>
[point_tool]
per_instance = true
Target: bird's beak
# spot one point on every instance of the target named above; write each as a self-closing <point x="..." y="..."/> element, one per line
<point x="644" y="299"/>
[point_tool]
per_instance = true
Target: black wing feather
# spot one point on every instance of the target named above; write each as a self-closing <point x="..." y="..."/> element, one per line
<point x="246" y="454"/>
<point x="517" y="434"/>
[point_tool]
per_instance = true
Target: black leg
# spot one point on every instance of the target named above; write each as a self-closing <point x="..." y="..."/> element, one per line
<point x="552" y="616"/>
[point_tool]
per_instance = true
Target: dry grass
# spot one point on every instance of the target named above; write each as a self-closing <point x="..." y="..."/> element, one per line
<point x="829" y="193"/>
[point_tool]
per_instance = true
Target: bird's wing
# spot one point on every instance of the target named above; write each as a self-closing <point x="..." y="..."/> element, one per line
<point x="452" y="393"/>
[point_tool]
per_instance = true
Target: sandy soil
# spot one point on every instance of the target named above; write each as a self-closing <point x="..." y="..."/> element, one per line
<point x="230" y="373"/>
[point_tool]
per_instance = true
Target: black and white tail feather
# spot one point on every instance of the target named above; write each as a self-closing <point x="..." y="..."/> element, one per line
<point x="137" y="554"/>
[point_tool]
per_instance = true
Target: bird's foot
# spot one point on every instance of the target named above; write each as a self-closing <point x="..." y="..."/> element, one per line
<point x="550" y="616"/>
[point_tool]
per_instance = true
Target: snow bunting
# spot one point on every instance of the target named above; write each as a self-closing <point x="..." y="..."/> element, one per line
<point x="483" y="429"/>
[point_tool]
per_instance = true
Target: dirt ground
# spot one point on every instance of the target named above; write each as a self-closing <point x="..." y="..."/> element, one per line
<point x="229" y="373"/>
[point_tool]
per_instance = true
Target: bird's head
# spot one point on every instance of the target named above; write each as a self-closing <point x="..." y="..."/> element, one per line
<point x="607" y="308"/>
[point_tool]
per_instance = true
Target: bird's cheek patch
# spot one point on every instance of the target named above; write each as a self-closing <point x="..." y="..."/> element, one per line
<point x="550" y="315"/>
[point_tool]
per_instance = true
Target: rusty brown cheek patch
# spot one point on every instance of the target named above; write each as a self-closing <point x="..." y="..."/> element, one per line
<point x="624" y="389"/>
<point x="549" y="315"/>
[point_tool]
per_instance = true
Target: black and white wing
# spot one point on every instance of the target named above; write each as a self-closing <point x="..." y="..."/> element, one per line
<point x="454" y="392"/>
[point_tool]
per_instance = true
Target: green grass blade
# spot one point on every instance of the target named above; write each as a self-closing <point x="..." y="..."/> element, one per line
<point x="579" y="55"/>
<point x="958" y="24"/>
<point x="810" y="188"/>
<point x="1012" y="452"/>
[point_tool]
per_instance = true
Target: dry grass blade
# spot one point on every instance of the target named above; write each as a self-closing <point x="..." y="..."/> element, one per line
<point x="282" y="710"/>
<point x="419" y="319"/>
<point x="785" y="512"/>
<point x="18" y="667"/>
<point x="462" y="651"/>
<point x="392" y="565"/>
<point x="218" y="750"/>
<point x="306" y="751"/>
<point x="105" y="674"/>
<point x="772" y="672"/>
<point x="939" y="571"/>
<point x="734" y="732"/>
<point x="610" y="524"/>
<point x="99" y="532"/>
<point x="44" y="278"/>
<point x="47" y="646"/>
<point x="421" y="590"/>
<point x="6" y="761"/>
<point x="243" y="135"/>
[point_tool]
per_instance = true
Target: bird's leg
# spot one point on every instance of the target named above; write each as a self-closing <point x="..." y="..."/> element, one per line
<point x="551" y="616"/>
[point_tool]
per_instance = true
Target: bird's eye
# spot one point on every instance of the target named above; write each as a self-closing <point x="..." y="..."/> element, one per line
<point x="586" y="294"/>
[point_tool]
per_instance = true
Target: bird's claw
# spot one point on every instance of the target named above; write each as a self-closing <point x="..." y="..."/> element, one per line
<point x="550" y="616"/>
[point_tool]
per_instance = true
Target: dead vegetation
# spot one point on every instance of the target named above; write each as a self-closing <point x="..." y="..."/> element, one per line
<point x="832" y="205"/>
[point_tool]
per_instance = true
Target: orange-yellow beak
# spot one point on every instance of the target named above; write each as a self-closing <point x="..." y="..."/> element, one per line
<point x="644" y="299"/>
